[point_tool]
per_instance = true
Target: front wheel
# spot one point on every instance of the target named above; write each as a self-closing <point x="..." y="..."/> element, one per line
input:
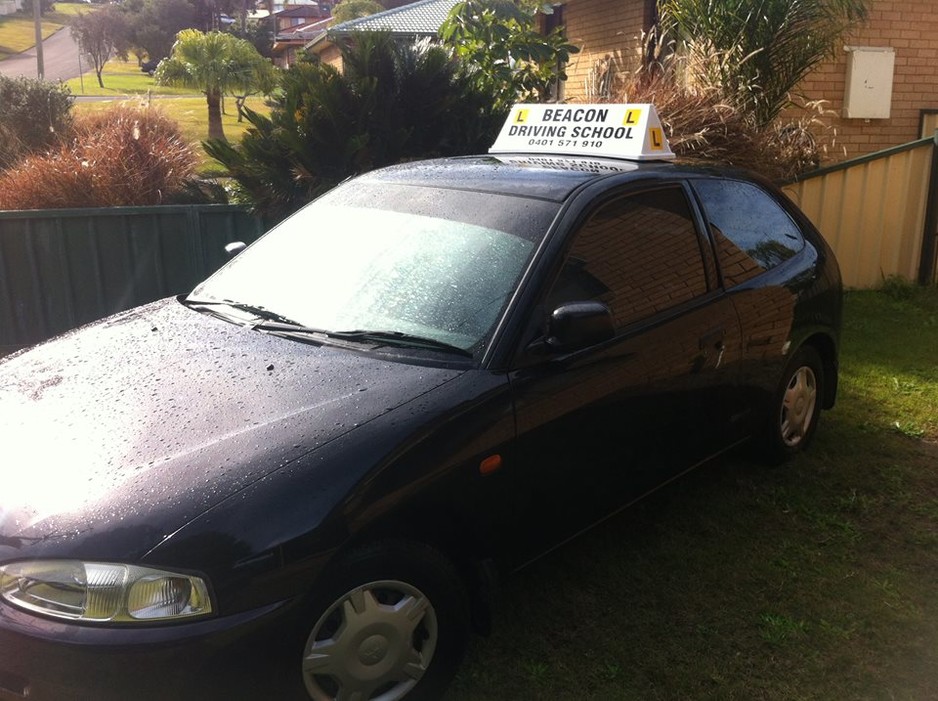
<point x="796" y="406"/>
<point x="391" y="623"/>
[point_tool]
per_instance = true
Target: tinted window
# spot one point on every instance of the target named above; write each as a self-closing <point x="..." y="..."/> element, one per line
<point x="638" y="254"/>
<point x="751" y="231"/>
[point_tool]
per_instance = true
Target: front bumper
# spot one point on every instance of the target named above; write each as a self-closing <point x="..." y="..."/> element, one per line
<point x="249" y="655"/>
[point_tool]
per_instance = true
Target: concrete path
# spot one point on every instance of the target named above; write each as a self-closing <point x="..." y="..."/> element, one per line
<point x="59" y="58"/>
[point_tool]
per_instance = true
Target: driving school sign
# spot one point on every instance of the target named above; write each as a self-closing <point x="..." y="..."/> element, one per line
<point x="612" y="131"/>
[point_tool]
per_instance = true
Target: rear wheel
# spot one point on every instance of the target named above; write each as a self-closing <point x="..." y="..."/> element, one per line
<point x="392" y="623"/>
<point x="796" y="407"/>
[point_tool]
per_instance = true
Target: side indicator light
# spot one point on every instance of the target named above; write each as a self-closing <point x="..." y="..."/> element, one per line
<point x="491" y="464"/>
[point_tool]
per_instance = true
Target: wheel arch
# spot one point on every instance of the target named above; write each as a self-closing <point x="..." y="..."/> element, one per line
<point x="826" y="348"/>
<point x="457" y="536"/>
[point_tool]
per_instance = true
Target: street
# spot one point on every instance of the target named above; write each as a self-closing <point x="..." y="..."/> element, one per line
<point x="60" y="59"/>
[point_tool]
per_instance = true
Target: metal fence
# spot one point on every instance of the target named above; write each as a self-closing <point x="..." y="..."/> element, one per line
<point x="878" y="212"/>
<point x="63" y="268"/>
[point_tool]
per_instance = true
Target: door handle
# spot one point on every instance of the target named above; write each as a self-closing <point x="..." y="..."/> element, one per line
<point x="712" y="340"/>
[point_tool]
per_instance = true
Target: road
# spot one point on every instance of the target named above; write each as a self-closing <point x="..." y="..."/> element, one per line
<point x="59" y="58"/>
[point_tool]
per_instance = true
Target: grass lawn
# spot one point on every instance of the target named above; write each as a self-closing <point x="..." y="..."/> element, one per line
<point x="124" y="82"/>
<point x="121" y="78"/>
<point x="190" y="112"/>
<point x="815" y="580"/>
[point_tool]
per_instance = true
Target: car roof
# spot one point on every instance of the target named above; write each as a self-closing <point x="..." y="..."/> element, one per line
<point x="551" y="178"/>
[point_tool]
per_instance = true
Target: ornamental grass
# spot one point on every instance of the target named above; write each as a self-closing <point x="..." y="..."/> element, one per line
<point x="123" y="156"/>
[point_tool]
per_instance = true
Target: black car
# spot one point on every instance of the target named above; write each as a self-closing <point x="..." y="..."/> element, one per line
<point x="150" y="65"/>
<point x="305" y="478"/>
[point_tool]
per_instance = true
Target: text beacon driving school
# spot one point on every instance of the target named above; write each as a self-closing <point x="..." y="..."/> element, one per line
<point x="613" y="131"/>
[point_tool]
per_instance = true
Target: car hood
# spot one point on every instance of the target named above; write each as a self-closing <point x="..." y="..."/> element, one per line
<point x="135" y="425"/>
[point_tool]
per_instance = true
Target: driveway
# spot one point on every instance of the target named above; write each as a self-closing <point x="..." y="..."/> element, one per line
<point x="59" y="58"/>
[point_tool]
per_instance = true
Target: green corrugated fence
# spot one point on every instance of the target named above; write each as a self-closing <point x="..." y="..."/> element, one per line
<point x="63" y="268"/>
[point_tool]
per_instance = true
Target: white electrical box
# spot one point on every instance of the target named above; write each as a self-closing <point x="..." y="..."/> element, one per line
<point x="868" y="93"/>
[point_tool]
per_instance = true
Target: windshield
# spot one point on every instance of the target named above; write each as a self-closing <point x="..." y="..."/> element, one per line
<point x="433" y="263"/>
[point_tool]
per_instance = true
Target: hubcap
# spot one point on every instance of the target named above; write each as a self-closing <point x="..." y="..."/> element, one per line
<point x="372" y="644"/>
<point x="798" y="406"/>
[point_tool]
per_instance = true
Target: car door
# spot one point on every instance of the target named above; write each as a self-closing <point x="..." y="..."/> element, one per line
<point x="766" y="265"/>
<point x="601" y="426"/>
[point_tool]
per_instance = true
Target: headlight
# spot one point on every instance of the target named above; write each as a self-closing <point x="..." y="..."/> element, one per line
<point x="101" y="592"/>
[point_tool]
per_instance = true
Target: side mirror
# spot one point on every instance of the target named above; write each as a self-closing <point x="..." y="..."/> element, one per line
<point x="578" y="325"/>
<point x="234" y="248"/>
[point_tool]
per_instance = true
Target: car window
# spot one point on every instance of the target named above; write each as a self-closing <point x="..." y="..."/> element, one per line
<point x="751" y="231"/>
<point x="639" y="254"/>
<point x="433" y="263"/>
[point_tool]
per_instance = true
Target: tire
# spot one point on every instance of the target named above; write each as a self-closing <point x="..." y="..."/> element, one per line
<point x="796" y="406"/>
<point x="391" y="622"/>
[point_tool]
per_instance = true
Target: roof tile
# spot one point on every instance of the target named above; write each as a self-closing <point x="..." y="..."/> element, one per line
<point x="421" y="18"/>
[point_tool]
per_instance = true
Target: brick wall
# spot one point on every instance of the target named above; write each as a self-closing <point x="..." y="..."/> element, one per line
<point x="608" y="32"/>
<point x="911" y="28"/>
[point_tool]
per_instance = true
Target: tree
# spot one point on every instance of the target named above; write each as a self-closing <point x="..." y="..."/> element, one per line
<point x="353" y="9"/>
<point x="394" y="102"/>
<point x="44" y="7"/>
<point x="208" y="12"/>
<point x="757" y="51"/>
<point x="215" y="63"/>
<point x="260" y="34"/>
<point x="154" y="24"/>
<point x="262" y="81"/>
<point x="101" y="34"/>
<point x="507" y="55"/>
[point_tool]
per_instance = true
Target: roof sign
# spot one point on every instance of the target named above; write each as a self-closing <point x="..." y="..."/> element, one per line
<point x="606" y="130"/>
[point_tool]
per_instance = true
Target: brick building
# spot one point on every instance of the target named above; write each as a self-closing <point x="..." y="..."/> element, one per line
<point x="901" y="32"/>
<point x="609" y="35"/>
<point x="297" y="25"/>
<point x="910" y="29"/>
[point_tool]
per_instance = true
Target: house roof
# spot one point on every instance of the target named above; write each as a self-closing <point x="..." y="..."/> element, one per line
<point x="422" y="18"/>
<point x="302" y="33"/>
<point x="306" y="11"/>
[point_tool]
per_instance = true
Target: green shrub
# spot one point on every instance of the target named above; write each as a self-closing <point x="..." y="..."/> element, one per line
<point x="33" y="114"/>
<point x="118" y="157"/>
<point x="393" y="103"/>
<point x="899" y="288"/>
<point x="504" y="51"/>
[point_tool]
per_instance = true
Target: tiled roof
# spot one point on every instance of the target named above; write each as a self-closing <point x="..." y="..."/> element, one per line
<point x="419" y="18"/>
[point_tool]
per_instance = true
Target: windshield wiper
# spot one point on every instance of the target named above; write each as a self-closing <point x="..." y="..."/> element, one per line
<point x="388" y="338"/>
<point x="257" y="310"/>
<point x="399" y="338"/>
<point x="277" y="323"/>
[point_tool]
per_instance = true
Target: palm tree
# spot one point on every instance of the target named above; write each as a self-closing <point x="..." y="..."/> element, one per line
<point x="215" y="63"/>
<point x="757" y="51"/>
